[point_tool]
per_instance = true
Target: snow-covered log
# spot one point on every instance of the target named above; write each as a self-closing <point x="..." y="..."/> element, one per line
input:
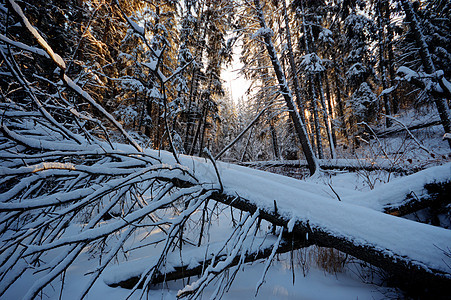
<point x="396" y="128"/>
<point x="127" y="275"/>
<point x="416" y="255"/>
<point x="340" y="164"/>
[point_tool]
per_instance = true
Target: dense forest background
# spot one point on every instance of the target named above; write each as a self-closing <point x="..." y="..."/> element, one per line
<point x="120" y="138"/>
<point x="156" y="66"/>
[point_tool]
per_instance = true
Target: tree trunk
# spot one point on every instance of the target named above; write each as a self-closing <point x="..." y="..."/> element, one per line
<point x="189" y="118"/>
<point x="382" y="62"/>
<point x="402" y="271"/>
<point x="204" y="128"/>
<point x="275" y="144"/>
<point x="196" y="135"/>
<point x="391" y="58"/>
<point x="326" y="116"/>
<point x="294" y="75"/>
<point x="428" y="64"/>
<point x="288" y="243"/>
<point x="319" y="142"/>
<point x="286" y="93"/>
<point x="330" y="108"/>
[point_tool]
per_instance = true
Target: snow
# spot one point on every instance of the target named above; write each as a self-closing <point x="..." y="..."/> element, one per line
<point x="406" y="73"/>
<point x="326" y="36"/>
<point x="262" y="32"/>
<point x="58" y="60"/>
<point x="136" y="27"/>
<point x="24" y="46"/>
<point x="152" y="65"/>
<point x="316" y="285"/>
<point x="312" y="63"/>
<point x="393" y="194"/>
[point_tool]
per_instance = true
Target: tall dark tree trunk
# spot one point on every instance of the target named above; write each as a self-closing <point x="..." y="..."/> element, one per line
<point x="189" y="114"/>
<point x="428" y="64"/>
<point x="326" y="115"/>
<point x="196" y="135"/>
<point x="275" y="144"/>
<point x="391" y="58"/>
<point x="294" y="75"/>
<point x="286" y="92"/>
<point x="383" y="62"/>
<point x="202" y="135"/>
<point x="314" y="101"/>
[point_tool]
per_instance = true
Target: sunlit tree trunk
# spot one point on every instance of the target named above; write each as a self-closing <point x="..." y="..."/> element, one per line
<point x="326" y="116"/>
<point x="330" y="108"/>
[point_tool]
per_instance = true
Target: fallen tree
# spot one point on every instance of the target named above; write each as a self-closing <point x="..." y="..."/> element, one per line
<point x="397" y="128"/>
<point x="261" y="249"/>
<point x="405" y="271"/>
<point x="424" y="191"/>
<point x="340" y="164"/>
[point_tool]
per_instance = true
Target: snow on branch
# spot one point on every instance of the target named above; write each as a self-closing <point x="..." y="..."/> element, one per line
<point x="93" y="192"/>
<point x="435" y="83"/>
<point x="55" y="57"/>
<point x="59" y="62"/>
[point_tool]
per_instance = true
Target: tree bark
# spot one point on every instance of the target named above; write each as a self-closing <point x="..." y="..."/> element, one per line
<point x="294" y="75"/>
<point x="331" y="110"/>
<point x="326" y="116"/>
<point x="391" y="57"/>
<point x="286" y="93"/>
<point x="382" y="62"/>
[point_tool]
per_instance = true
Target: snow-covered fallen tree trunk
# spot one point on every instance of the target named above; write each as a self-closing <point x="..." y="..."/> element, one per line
<point x="128" y="274"/>
<point x="416" y="255"/>
<point x="416" y="125"/>
<point x="409" y="251"/>
<point x="340" y="164"/>
<point x="405" y="195"/>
